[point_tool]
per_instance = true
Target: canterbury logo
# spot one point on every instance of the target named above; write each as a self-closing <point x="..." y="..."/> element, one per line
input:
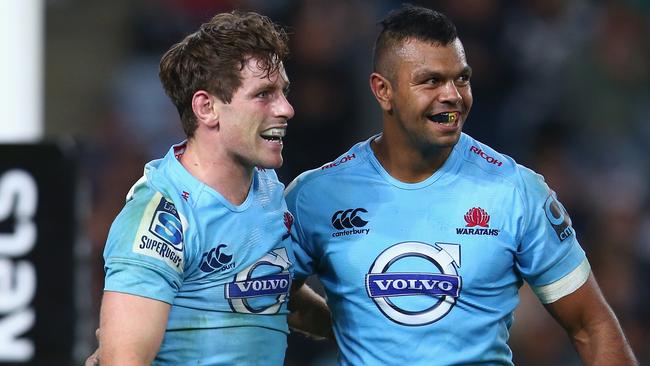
<point x="216" y="260"/>
<point x="477" y="216"/>
<point x="348" y="219"/>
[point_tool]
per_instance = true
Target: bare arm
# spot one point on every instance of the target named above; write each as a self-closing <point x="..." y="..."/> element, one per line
<point x="132" y="329"/>
<point x="309" y="312"/>
<point x="592" y="326"/>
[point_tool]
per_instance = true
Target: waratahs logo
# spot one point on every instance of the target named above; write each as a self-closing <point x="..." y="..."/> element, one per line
<point x="216" y="260"/>
<point x="349" y="222"/>
<point x="477" y="216"/>
<point x="288" y="222"/>
<point x="415" y="283"/>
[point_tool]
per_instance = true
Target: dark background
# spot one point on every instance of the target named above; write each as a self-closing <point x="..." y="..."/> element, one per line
<point x="560" y="85"/>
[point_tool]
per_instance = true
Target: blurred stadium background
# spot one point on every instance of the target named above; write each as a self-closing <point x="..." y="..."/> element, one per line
<point x="563" y="86"/>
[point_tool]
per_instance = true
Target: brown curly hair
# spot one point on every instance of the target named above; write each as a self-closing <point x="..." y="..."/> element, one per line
<point x="212" y="59"/>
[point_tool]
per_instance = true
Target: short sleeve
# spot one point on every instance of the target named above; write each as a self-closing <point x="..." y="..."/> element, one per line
<point x="144" y="251"/>
<point x="549" y="256"/>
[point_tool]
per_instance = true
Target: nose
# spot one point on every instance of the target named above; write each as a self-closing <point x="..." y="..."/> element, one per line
<point x="449" y="93"/>
<point x="283" y="108"/>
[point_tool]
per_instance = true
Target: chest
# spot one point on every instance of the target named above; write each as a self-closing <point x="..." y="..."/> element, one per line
<point x="462" y="230"/>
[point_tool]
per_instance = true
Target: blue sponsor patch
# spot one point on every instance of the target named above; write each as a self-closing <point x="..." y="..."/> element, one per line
<point x="442" y="288"/>
<point x="166" y="224"/>
<point x="276" y="284"/>
<point x="408" y="284"/>
<point x="558" y="217"/>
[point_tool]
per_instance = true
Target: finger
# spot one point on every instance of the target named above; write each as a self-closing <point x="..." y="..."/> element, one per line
<point x="92" y="360"/>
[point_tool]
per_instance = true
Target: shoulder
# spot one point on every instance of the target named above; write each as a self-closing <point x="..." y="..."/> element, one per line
<point x="485" y="157"/>
<point x="152" y="203"/>
<point x="149" y="230"/>
<point x="486" y="161"/>
<point x="146" y="203"/>
<point x="154" y="185"/>
<point x="343" y="166"/>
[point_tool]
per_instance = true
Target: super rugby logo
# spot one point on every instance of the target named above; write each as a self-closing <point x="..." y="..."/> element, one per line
<point x="349" y="222"/>
<point x="216" y="260"/>
<point x="558" y="217"/>
<point x="474" y="217"/>
<point x="160" y="234"/>
<point x="440" y="288"/>
<point x="166" y="224"/>
<point x="263" y="294"/>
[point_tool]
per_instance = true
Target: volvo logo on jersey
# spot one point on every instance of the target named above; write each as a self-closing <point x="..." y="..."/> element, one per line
<point x="262" y="287"/>
<point x="415" y="283"/>
<point x="405" y="284"/>
<point x="477" y="223"/>
<point x="349" y="222"/>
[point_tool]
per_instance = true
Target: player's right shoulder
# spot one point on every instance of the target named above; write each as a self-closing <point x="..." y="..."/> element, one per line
<point x="139" y="197"/>
<point x="148" y="229"/>
<point x="140" y="186"/>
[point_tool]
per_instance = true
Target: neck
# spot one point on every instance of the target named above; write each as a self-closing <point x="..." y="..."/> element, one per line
<point x="223" y="174"/>
<point x="406" y="162"/>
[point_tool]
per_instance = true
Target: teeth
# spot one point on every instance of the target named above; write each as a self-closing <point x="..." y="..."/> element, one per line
<point x="446" y="117"/>
<point x="277" y="132"/>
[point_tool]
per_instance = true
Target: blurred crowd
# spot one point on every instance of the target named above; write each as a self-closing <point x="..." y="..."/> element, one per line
<point x="563" y="86"/>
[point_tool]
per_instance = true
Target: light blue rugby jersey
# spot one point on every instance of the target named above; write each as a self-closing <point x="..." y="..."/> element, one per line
<point x="428" y="273"/>
<point x="225" y="269"/>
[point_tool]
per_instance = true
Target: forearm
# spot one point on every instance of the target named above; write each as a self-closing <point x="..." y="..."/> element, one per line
<point x="602" y="343"/>
<point x="309" y="312"/>
<point x="592" y="327"/>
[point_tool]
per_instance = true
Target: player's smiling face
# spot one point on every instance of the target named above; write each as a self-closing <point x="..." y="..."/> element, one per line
<point x="432" y="95"/>
<point x="255" y="120"/>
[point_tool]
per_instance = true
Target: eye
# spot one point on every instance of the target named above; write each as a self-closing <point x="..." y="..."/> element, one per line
<point x="263" y="94"/>
<point x="432" y="81"/>
<point x="286" y="91"/>
<point x="463" y="79"/>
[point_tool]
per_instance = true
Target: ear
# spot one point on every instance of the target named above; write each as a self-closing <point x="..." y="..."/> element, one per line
<point x="383" y="91"/>
<point x="205" y="108"/>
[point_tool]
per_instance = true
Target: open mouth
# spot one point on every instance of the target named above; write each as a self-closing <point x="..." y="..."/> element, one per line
<point x="274" y="134"/>
<point x="445" y="117"/>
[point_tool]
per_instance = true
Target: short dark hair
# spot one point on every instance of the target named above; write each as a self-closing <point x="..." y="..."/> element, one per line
<point x="411" y="22"/>
<point x="212" y="59"/>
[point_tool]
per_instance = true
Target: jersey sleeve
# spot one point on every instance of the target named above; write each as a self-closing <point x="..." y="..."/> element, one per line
<point x="303" y="250"/>
<point x="549" y="256"/>
<point x="144" y="251"/>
